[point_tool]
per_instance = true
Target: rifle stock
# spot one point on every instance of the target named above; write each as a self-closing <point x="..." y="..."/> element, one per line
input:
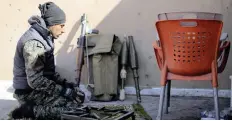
<point x="82" y="42"/>
<point x="80" y="58"/>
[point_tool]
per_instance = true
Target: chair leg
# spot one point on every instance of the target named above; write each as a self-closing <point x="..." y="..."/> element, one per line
<point x="160" y="110"/>
<point x="169" y="92"/>
<point x="215" y="89"/>
<point x="167" y="96"/>
<point x="163" y="82"/>
<point x="215" y="92"/>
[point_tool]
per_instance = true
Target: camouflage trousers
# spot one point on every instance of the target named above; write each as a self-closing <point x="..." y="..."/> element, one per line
<point x="47" y="105"/>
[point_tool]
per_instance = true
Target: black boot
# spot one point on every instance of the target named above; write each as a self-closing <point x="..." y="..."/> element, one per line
<point x="24" y="111"/>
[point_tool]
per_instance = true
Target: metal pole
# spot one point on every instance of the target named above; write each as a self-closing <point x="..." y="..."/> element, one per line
<point x="215" y="92"/>
<point x="231" y="91"/>
<point x="167" y="96"/>
<point x="160" y="110"/>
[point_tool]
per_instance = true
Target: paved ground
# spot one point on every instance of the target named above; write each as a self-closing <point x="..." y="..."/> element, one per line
<point x="181" y="107"/>
<point x="184" y="108"/>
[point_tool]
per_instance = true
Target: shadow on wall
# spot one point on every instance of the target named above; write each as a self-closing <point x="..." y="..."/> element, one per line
<point x="137" y="18"/>
<point x="224" y="80"/>
<point x="116" y="22"/>
<point x="66" y="57"/>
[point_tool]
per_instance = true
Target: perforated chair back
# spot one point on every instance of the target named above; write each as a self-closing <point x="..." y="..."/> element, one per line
<point x="189" y="45"/>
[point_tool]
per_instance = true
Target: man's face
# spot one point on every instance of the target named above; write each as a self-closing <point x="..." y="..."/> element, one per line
<point x="57" y="30"/>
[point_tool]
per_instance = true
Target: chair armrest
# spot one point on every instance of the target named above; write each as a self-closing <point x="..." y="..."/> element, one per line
<point x="224" y="36"/>
<point x="158" y="53"/>
<point x="156" y="44"/>
<point x="224" y="51"/>
<point x="225" y="45"/>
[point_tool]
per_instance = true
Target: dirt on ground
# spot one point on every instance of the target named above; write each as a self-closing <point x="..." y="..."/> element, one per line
<point x="181" y="108"/>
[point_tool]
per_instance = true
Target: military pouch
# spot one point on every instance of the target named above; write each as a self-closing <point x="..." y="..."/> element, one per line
<point x="103" y="67"/>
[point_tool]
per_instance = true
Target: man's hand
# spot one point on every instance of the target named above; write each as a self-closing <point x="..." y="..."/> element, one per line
<point x="74" y="94"/>
<point x="80" y="93"/>
<point x="69" y="84"/>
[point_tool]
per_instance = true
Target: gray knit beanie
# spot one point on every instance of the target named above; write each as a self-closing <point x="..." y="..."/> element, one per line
<point x="52" y="14"/>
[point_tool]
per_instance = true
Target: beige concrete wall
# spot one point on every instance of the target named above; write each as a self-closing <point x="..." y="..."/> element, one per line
<point x="135" y="17"/>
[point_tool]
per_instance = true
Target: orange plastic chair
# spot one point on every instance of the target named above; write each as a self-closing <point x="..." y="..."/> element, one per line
<point x="189" y="50"/>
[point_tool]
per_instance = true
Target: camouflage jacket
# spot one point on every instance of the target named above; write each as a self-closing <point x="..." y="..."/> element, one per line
<point x="34" y="56"/>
